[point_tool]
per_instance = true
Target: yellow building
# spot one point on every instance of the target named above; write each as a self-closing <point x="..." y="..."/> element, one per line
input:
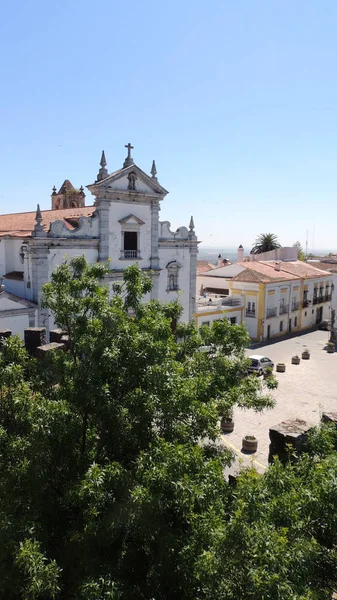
<point x="273" y="298"/>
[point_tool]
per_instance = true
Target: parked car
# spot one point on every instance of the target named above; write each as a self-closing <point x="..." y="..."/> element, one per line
<point x="259" y="364"/>
<point x="325" y="324"/>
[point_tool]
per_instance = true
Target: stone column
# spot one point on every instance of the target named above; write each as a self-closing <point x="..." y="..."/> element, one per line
<point x="154" y="260"/>
<point x="193" y="280"/>
<point x="40" y="276"/>
<point x="103" y="229"/>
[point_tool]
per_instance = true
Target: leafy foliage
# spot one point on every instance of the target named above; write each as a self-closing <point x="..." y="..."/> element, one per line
<point x="301" y="254"/>
<point x="111" y="481"/>
<point x="265" y="242"/>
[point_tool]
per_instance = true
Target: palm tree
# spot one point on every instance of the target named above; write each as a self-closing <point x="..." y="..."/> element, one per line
<point x="265" y="242"/>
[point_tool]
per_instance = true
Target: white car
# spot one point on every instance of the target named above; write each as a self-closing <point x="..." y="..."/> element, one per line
<point x="259" y="364"/>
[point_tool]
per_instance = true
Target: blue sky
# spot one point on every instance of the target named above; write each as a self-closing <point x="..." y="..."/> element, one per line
<point x="236" y="101"/>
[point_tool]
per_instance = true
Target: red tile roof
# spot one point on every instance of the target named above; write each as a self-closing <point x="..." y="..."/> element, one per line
<point x="251" y="276"/>
<point x="265" y="272"/>
<point x="22" y="224"/>
<point x="324" y="266"/>
<point x="203" y="266"/>
<point x="301" y="269"/>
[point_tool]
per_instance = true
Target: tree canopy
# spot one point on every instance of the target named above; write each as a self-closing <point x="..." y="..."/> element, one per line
<point x="265" y="242"/>
<point x="301" y="254"/>
<point x="111" y="481"/>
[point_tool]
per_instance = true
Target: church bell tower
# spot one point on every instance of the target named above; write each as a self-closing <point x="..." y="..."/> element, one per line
<point x="67" y="197"/>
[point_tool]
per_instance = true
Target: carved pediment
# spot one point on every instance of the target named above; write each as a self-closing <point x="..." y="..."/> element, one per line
<point x="131" y="220"/>
<point x="129" y="179"/>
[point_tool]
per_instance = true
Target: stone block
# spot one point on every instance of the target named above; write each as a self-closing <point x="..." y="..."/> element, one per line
<point x="56" y="335"/>
<point x="45" y="350"/>
<point x="65" y="340"/>
<point x="293" y="432"/>
<point x="34" y="337"/>
<point x="5" y="333"/>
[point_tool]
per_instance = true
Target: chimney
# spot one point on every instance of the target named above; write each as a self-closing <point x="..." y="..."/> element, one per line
<point x="240" y="253"/>
<point x="220" y="261"/>
<point x="278" y="266"/>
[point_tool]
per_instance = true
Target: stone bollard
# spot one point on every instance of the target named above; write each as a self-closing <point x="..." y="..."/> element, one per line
<point x="293" y="432"/>
<point x="34" y="337"/>
<point x="44" y="351"/>
<point x="5" y="334"/>
<point x="56" y="335"/>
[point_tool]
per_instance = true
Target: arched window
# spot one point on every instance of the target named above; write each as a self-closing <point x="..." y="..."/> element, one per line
<point x="173" y="276"/>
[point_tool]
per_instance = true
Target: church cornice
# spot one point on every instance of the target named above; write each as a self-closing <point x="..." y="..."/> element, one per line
<point x="177" y="243"/>
<point x="124" y="196"/>
<point x="49" y="242"/>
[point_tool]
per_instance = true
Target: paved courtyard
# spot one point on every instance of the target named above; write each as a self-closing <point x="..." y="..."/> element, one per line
<point x="304" y="391"/>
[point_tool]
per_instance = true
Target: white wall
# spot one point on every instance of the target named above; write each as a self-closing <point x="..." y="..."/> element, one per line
<point x="309" y="313"/>
<point x="14" y="286"/>
<point x="251" y="324"/>
<point x="210" y="317"/>
<point x="287" y="253"/>
<point x="58" y="255"/>
<point x="249" y="293"/>
<point x="15" y="324"/>
<point x="278" y="294"/>
<point x="120" y="211"/>
<point x="182" y="256"/>
<point x="12" y="253"/>
<point x="3" y="257"/>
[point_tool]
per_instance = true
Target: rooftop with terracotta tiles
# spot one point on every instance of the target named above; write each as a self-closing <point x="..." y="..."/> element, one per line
<point x="22" y="224"/>
<point x="266" y="272"/>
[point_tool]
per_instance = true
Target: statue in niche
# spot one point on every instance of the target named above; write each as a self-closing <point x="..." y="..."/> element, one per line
<point x="132" y="181"/>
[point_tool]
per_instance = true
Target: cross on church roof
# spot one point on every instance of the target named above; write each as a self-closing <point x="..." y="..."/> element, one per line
<point x="129" y="147"/>
<point x="129" y="160"/>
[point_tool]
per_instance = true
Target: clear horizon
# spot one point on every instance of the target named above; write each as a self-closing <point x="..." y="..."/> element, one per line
<point x="235" y="102"/>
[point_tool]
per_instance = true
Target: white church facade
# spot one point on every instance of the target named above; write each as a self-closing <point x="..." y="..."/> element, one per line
<point x="121" y="227"/>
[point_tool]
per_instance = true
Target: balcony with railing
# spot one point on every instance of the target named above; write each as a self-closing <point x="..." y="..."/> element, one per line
<point x="306" y="303"/>
<point x="271" y="312"/>
<point x="213" y="302"/>
<point x="250" y="313"/>
<point x="284" y="308"/>
<point x="319" y="299"/>
<point x="327" y="297"/>
<point x="295" y="306"/>
<point x="130" y="254"/>
<point x="230" y="301"/>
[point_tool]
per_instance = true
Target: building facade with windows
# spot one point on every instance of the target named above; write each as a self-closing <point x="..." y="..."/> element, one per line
<point x="121" y="228"/>
<point x="275" y="297"/>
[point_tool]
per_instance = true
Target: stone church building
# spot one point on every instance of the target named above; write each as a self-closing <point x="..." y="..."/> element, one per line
<point x="121" y="226"/>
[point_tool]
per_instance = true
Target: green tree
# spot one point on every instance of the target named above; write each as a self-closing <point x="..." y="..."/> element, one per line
<point x="265" y="242"/>
<point x="111" y="480"/>
<point x="103" y="473"/>
<point x="279" y="540"/>
<point x="301" y="254"/>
